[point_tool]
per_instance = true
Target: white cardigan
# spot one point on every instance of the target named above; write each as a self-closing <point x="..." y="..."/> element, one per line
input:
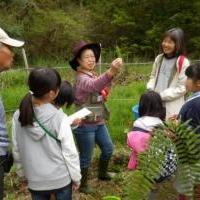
<point x="174" y="96"/>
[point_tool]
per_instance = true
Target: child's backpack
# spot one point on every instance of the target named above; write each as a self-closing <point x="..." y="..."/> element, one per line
<point x="180" y="63"/>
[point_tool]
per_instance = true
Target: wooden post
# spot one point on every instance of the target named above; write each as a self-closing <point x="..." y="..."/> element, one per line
<point x="25" y="60"/>
<point x="100" y="63"/>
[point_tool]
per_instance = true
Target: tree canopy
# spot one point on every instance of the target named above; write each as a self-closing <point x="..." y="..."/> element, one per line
<point x="51" y="27"/>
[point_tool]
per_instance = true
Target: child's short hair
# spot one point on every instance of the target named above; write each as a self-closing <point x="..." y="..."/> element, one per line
<point x="193" y="71"/>
<point x="151" y="105"/>
<point x="177" y="36"/>
<point x="65" y="95"/>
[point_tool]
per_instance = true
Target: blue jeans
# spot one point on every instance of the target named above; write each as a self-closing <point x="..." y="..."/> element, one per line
<point x="60" y="194"/>
<point x="87" y="137"/>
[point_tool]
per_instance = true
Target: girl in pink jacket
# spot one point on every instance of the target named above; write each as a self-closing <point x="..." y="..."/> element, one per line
<point x="152" y="114"/>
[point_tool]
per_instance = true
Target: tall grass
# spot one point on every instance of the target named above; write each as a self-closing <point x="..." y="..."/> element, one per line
<point x="124" y="94"/>
<point x="121" y="101"/>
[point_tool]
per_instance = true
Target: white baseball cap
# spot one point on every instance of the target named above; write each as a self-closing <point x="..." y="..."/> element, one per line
<point x="5" y="39"/>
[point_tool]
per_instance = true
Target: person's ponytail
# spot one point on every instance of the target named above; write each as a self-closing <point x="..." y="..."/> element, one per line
<point x="40" y="81"/>
<point x="26" y="111"/>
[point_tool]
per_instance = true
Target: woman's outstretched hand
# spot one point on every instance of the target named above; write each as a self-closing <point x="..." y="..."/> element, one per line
<point x="115" y="66"/>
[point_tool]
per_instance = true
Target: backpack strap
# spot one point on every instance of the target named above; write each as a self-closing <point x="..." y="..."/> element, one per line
<point x="180" y="63"/>
<point x="47" y="131"/>
<point x="158" y="71"/>
<point x="139" y="129"/>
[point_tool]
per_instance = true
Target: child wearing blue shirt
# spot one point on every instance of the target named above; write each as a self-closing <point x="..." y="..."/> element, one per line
<point x="191" y="109"/>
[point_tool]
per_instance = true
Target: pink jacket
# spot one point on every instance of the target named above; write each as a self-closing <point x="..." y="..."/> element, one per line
<point x="138" y="142"/>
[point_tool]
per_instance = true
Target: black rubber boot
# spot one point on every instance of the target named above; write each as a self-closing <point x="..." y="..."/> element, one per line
<point x="84" y="188"/>
<point x="103" y="170"/>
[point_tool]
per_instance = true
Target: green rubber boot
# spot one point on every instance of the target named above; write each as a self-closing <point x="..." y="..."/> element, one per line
<point x="103" y="171"/>
<point x="84" y="188"/>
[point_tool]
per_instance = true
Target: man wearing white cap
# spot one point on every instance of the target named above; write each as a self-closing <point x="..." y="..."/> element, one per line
<point x="6" y="59"/>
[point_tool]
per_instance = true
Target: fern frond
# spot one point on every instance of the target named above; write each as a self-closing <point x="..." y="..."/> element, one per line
<point x="150" y="163"/>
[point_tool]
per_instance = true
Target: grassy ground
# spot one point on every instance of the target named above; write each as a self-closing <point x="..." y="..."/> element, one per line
<point x="126" y="91"/>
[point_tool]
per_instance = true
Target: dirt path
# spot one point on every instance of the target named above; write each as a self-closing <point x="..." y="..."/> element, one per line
<point x="17" y="190"/>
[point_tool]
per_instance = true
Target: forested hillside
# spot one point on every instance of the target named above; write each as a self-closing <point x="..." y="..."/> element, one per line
<point x="51" y="27"/>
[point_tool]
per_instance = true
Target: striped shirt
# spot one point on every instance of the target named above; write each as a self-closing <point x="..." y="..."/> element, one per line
<point x="4" y="141"/>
